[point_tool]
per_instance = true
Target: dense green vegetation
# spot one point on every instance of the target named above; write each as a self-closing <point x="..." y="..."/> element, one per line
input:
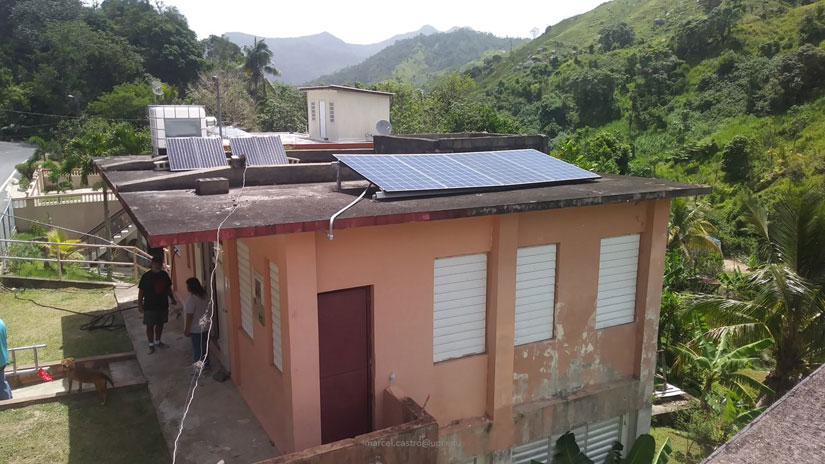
<point x="418" y="59"/>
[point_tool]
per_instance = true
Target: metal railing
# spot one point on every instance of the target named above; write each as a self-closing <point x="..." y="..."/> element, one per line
<point x="60" y="248"/>
<point x="13" y="354"/>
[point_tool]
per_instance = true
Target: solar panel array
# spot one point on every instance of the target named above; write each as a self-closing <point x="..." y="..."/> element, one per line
<point x="190" y="153"/>
<point x="260" y="150"/>
<point x="405" y="175"/>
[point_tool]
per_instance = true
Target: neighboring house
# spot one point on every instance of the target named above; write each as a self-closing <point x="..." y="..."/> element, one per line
<point x="790" y="431"/>
<point x="345" y="114"/>
<point x="512" y="316"/>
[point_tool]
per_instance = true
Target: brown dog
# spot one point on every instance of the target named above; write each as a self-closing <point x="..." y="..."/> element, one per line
<point x="87" y="375"/>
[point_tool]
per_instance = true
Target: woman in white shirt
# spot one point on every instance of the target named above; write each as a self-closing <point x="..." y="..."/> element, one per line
<point x="196" y="325"/>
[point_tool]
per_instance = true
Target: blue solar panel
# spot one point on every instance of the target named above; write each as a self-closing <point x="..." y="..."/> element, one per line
<point x="404" y="175"/>
<point x="260" y="150"/>
<point x="189" y="153"/>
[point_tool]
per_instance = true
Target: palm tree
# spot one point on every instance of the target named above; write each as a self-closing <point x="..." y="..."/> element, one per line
<point x="719" y="361"/>
<point x="257" y="66"/>
<point x="689" y="230"/>
<point x="789" y="303"/>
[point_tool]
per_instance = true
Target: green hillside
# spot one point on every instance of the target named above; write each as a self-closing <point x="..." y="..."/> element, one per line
<point x="728" y="93"/>
<point x="417" y="59"/>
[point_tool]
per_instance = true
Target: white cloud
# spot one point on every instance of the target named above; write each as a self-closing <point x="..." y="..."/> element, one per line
<point x="369" y="21"/>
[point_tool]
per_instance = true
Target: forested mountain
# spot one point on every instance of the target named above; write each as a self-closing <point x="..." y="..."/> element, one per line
<point x="303" y="59"/>
<point x="416" y="59"/>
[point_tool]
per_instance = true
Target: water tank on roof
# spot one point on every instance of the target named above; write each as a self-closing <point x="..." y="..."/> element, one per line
<point x="175" y="121"/>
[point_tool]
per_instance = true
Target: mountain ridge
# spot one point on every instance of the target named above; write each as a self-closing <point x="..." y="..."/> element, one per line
<point x="303" y="59"/>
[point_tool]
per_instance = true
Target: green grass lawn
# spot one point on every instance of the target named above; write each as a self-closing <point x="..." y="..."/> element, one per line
<point x="77" y="430"/>
<point x="679" y="443"/>
<point x="29" y="324"/>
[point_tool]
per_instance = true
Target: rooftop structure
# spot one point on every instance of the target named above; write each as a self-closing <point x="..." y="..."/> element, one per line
<point x="790" y="431"/>
<point x="346" y="114"/>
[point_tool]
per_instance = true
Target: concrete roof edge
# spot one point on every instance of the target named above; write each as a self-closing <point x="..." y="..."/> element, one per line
<point x="159" y="240"/>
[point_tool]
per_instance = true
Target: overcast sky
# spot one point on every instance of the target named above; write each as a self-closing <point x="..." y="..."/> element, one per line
<point x="369" y="21"/>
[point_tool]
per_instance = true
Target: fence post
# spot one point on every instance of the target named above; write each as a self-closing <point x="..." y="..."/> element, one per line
<point x="107" y="220"/>
<point x="59" y="265"/>
<point x="134" y="263"/>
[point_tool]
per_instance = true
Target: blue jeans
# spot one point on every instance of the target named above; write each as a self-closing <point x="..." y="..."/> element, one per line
<point x="199" y="341"/>
<point x="5" y="388"/>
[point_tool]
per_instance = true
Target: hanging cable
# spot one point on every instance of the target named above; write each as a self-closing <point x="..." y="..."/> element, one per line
<point x="64" y="116"/>
<point x="193" y="385"/>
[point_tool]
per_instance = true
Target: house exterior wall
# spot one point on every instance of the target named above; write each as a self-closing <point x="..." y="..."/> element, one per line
<point x="486" y="402"/>
<point x="356" y="114"/>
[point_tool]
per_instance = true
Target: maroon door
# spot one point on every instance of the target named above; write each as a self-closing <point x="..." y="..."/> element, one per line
<point x="344" y="352"/>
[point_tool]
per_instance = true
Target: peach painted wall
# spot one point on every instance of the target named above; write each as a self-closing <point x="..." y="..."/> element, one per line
<point x="264" y="387"/>
<point x="579" y="355"/>
<point x="397" y="262"/>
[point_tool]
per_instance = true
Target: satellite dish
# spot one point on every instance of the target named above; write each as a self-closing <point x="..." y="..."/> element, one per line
<point x="383" y="127"/>
<point x="157" y="88"/>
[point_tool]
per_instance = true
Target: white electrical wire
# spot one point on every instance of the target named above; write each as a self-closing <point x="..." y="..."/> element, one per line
<point x="193" y="385"/>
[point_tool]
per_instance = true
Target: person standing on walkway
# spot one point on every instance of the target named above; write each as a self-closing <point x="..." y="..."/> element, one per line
<point x="5" y="388"/>
<point x="154" y="293"/>
<point x="196" y="324"/>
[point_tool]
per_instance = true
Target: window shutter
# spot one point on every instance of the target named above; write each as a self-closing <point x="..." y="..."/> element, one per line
<point x="275" y="300"/>
<point x="601" y="437"/>
<point x="534" y="451"/>
<point x="245" y="281"/>
<point x="459" y="306"/>
<point x="535" y="293"/>
<point x="618" y="266"/>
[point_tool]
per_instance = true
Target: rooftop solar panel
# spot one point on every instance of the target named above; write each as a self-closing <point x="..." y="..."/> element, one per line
<point x="189" y="153"/>
<point x="406" y="175"/>
<point x="260" y="150"/>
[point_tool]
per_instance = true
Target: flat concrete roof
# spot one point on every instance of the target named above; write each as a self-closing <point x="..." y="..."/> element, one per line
<point x="166" y="209"/>
<point x="791" y="431"/>
<point x="344" y="88"/>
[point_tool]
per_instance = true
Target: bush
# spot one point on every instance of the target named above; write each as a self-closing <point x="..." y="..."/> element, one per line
<point x="736" y="160"/>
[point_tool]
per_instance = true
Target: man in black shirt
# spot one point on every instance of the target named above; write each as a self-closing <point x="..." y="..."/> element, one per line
<point x="154" y="293"/>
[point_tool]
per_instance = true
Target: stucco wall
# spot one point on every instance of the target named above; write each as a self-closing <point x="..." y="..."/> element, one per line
<point x="82" y="217"/>
<point x="356" y="114"/>
<point x="397" y="262"/>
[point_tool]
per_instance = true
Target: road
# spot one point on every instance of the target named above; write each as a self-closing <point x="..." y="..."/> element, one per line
<point x="12" y="154"/>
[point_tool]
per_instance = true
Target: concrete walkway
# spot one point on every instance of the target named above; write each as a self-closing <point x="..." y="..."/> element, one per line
<point x="219" y="425"/>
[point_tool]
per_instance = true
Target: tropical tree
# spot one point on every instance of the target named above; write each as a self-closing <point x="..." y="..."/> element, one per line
<point x="257" y="66"/>
<point x="689" y="230"/>
<point x="789" y="301"/>
<point x="721" y="362"/>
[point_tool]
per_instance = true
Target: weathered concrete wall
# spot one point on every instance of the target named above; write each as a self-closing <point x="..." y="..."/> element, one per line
<point x="454" y="143"/>
<point x="581" y="375"/>
<point x="413" y="440"/>
<point x="82" y="217"/>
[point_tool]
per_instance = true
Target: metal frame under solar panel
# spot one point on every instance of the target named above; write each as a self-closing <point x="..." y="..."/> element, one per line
<point x="431" y="174"/>
<point x="191" y="153"/>
<point x="260" y="150"/>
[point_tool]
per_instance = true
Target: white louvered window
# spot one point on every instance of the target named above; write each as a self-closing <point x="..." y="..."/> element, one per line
<point x="595" y="440"/>
<point x="312" y="110"/>
<point x="331" y="112"/>
<point x="275" y="301"/>
<point x="618" y="266"/>
<point x="245" y="284"/>
<point x="459" y="306"/>
<point x="535" y="293"/>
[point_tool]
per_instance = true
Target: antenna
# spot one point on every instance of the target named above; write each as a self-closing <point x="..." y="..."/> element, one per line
<point x="383" y="127"/>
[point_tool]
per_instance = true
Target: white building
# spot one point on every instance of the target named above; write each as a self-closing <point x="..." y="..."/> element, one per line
<point x="345" y="114"/>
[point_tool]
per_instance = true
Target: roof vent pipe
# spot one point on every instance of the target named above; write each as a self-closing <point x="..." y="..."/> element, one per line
<point x="332" y="219"/>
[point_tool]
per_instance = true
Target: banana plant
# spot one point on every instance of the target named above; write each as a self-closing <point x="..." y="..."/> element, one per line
<point x="644" y="451"/>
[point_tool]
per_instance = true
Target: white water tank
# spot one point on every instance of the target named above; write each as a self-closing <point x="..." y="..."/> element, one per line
<point x="175" y="121"/>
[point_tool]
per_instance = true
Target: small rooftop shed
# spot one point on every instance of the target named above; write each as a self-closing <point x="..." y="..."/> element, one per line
<point x="337" y="113"/>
